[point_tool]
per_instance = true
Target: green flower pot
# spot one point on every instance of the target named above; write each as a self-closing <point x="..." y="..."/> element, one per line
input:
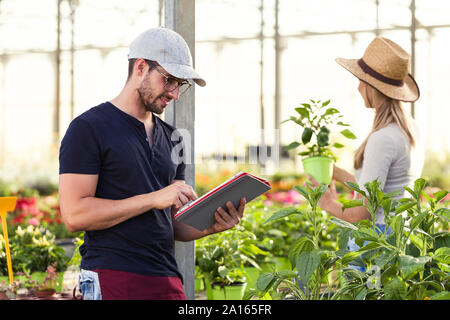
<point x="209" y="293"/>
<point x="234" y="291"/>
<point x="217" y="293"/>
<point x="320" y="168"/>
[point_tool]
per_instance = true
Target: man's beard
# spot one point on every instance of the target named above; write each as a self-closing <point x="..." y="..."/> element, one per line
<point x="147" y="99"/>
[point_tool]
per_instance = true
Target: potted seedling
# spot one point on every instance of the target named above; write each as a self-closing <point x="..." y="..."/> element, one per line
<point x="316" y="120"/>
<point x="221" y="257"/>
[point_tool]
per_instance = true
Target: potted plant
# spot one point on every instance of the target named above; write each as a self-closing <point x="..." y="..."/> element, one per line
<point x="310" y="263"/>
<point x="317" y="119"/>
<point x="221" y="258"/>
<point x="48" y="286"/>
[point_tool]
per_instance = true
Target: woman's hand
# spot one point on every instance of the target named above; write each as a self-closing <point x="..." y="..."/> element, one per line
<point x="329" y="202"/>
<point x="330" y="196"/>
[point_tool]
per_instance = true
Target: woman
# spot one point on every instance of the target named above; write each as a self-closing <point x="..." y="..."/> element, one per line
<point x="392" y="152"/>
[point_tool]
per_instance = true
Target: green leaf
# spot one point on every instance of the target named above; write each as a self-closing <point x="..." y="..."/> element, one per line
<point x="291" y="146"/>
<point x="306" y="105"/>
<point x="394" y="194"/>
<point x="411" y="192"/>
<point x="322" y="139"/>
<point x="410" y="265"/>
<point x="443" y="213"/>
<point x="294" y="119"/>
<point x="350" y="256"/>
<point x="443" y="295"/>
<point x="348" y="134"/>
<point x="324" y="129"/>
<point x="416" y="220"/>
<point x="342" y="223"/>
<point x="265" y="281"/>
<point x="443" y="255"/>
<point x="282" y="213"/>
<point x="366" y="234"/>
<point x="326" y="103"/>
<point x="440" y="195"/>
<point x="303" y="112"/>
<point x="355" y="187"/>
<point x="352" y="204"/>
<point x="369" y="246"/>
<point x="417" y="241"/>
<point x="343" y="238"/>
<point x="217" y="253"/>
<point x="404" y="207"/>
<point x="380" y="196"/>
<point x="302" y="191"/>
<point x="362" y="294"/>
<point x="223" y="271"/>
<point x="343" y="124"/>
<point x="386" y="204"/>
<point x="286" y="274"/>
<point x="306" y="135"/>
<point x="303" y="244"/>
<point x="338" y="145"/>
<point x="419" y="184"/>
<point x="395" y="289"/>
<point x="397" y="225"/>
<point x="385" y="257"/>
<point x="306" y="264"/>
<point x="330" y="111"/>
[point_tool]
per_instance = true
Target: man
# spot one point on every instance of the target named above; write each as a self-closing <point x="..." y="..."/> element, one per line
<point x="119" y="185"/>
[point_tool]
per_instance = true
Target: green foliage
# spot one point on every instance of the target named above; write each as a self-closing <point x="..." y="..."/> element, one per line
<point x="407" y="262"/>
<point x="410" y="259"/>
<point x="222" y="256"/>
<point x="316" y="119"/>
<point x="32" y="250"/>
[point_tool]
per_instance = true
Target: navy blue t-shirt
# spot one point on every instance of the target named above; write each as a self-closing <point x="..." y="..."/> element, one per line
<point x="113" y="144"/>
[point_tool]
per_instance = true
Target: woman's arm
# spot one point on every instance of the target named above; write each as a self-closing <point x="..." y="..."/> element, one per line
<point x="342" y="175"/>
<point x="329" y="202"/>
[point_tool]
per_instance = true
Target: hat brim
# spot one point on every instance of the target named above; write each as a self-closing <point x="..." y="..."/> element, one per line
<point x="183" y="72"/>
<point x="408" y="92"/>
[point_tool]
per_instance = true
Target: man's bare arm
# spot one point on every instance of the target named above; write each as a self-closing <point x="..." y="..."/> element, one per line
<point x="81" y="210"/>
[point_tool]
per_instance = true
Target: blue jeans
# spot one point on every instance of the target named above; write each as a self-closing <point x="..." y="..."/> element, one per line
<point x="89" y="286"/>
<point x="352" y="246"/>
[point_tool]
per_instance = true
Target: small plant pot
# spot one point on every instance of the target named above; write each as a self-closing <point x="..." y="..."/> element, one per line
<point x="320" y="168"/>
<point x="209" y="294"/>
<point x="234" y="291"/>
<point x="217" y="292"/>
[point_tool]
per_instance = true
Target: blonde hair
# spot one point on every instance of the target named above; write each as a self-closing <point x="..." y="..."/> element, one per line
<point x="387" y="110"/>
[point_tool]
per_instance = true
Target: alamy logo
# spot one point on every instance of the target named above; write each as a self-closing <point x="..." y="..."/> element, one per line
<point x="183" y="151"/>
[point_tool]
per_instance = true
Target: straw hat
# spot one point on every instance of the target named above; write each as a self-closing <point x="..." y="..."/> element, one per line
<point x="385" y="66"/>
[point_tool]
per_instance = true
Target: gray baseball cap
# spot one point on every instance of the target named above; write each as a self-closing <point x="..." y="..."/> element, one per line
<point x="169" y="49"/>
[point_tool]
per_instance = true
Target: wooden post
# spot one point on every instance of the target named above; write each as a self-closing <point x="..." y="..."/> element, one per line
<point x="180" y="17"/>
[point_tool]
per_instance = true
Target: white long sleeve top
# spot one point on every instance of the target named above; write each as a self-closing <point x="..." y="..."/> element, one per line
<point x="389" y="157"/>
